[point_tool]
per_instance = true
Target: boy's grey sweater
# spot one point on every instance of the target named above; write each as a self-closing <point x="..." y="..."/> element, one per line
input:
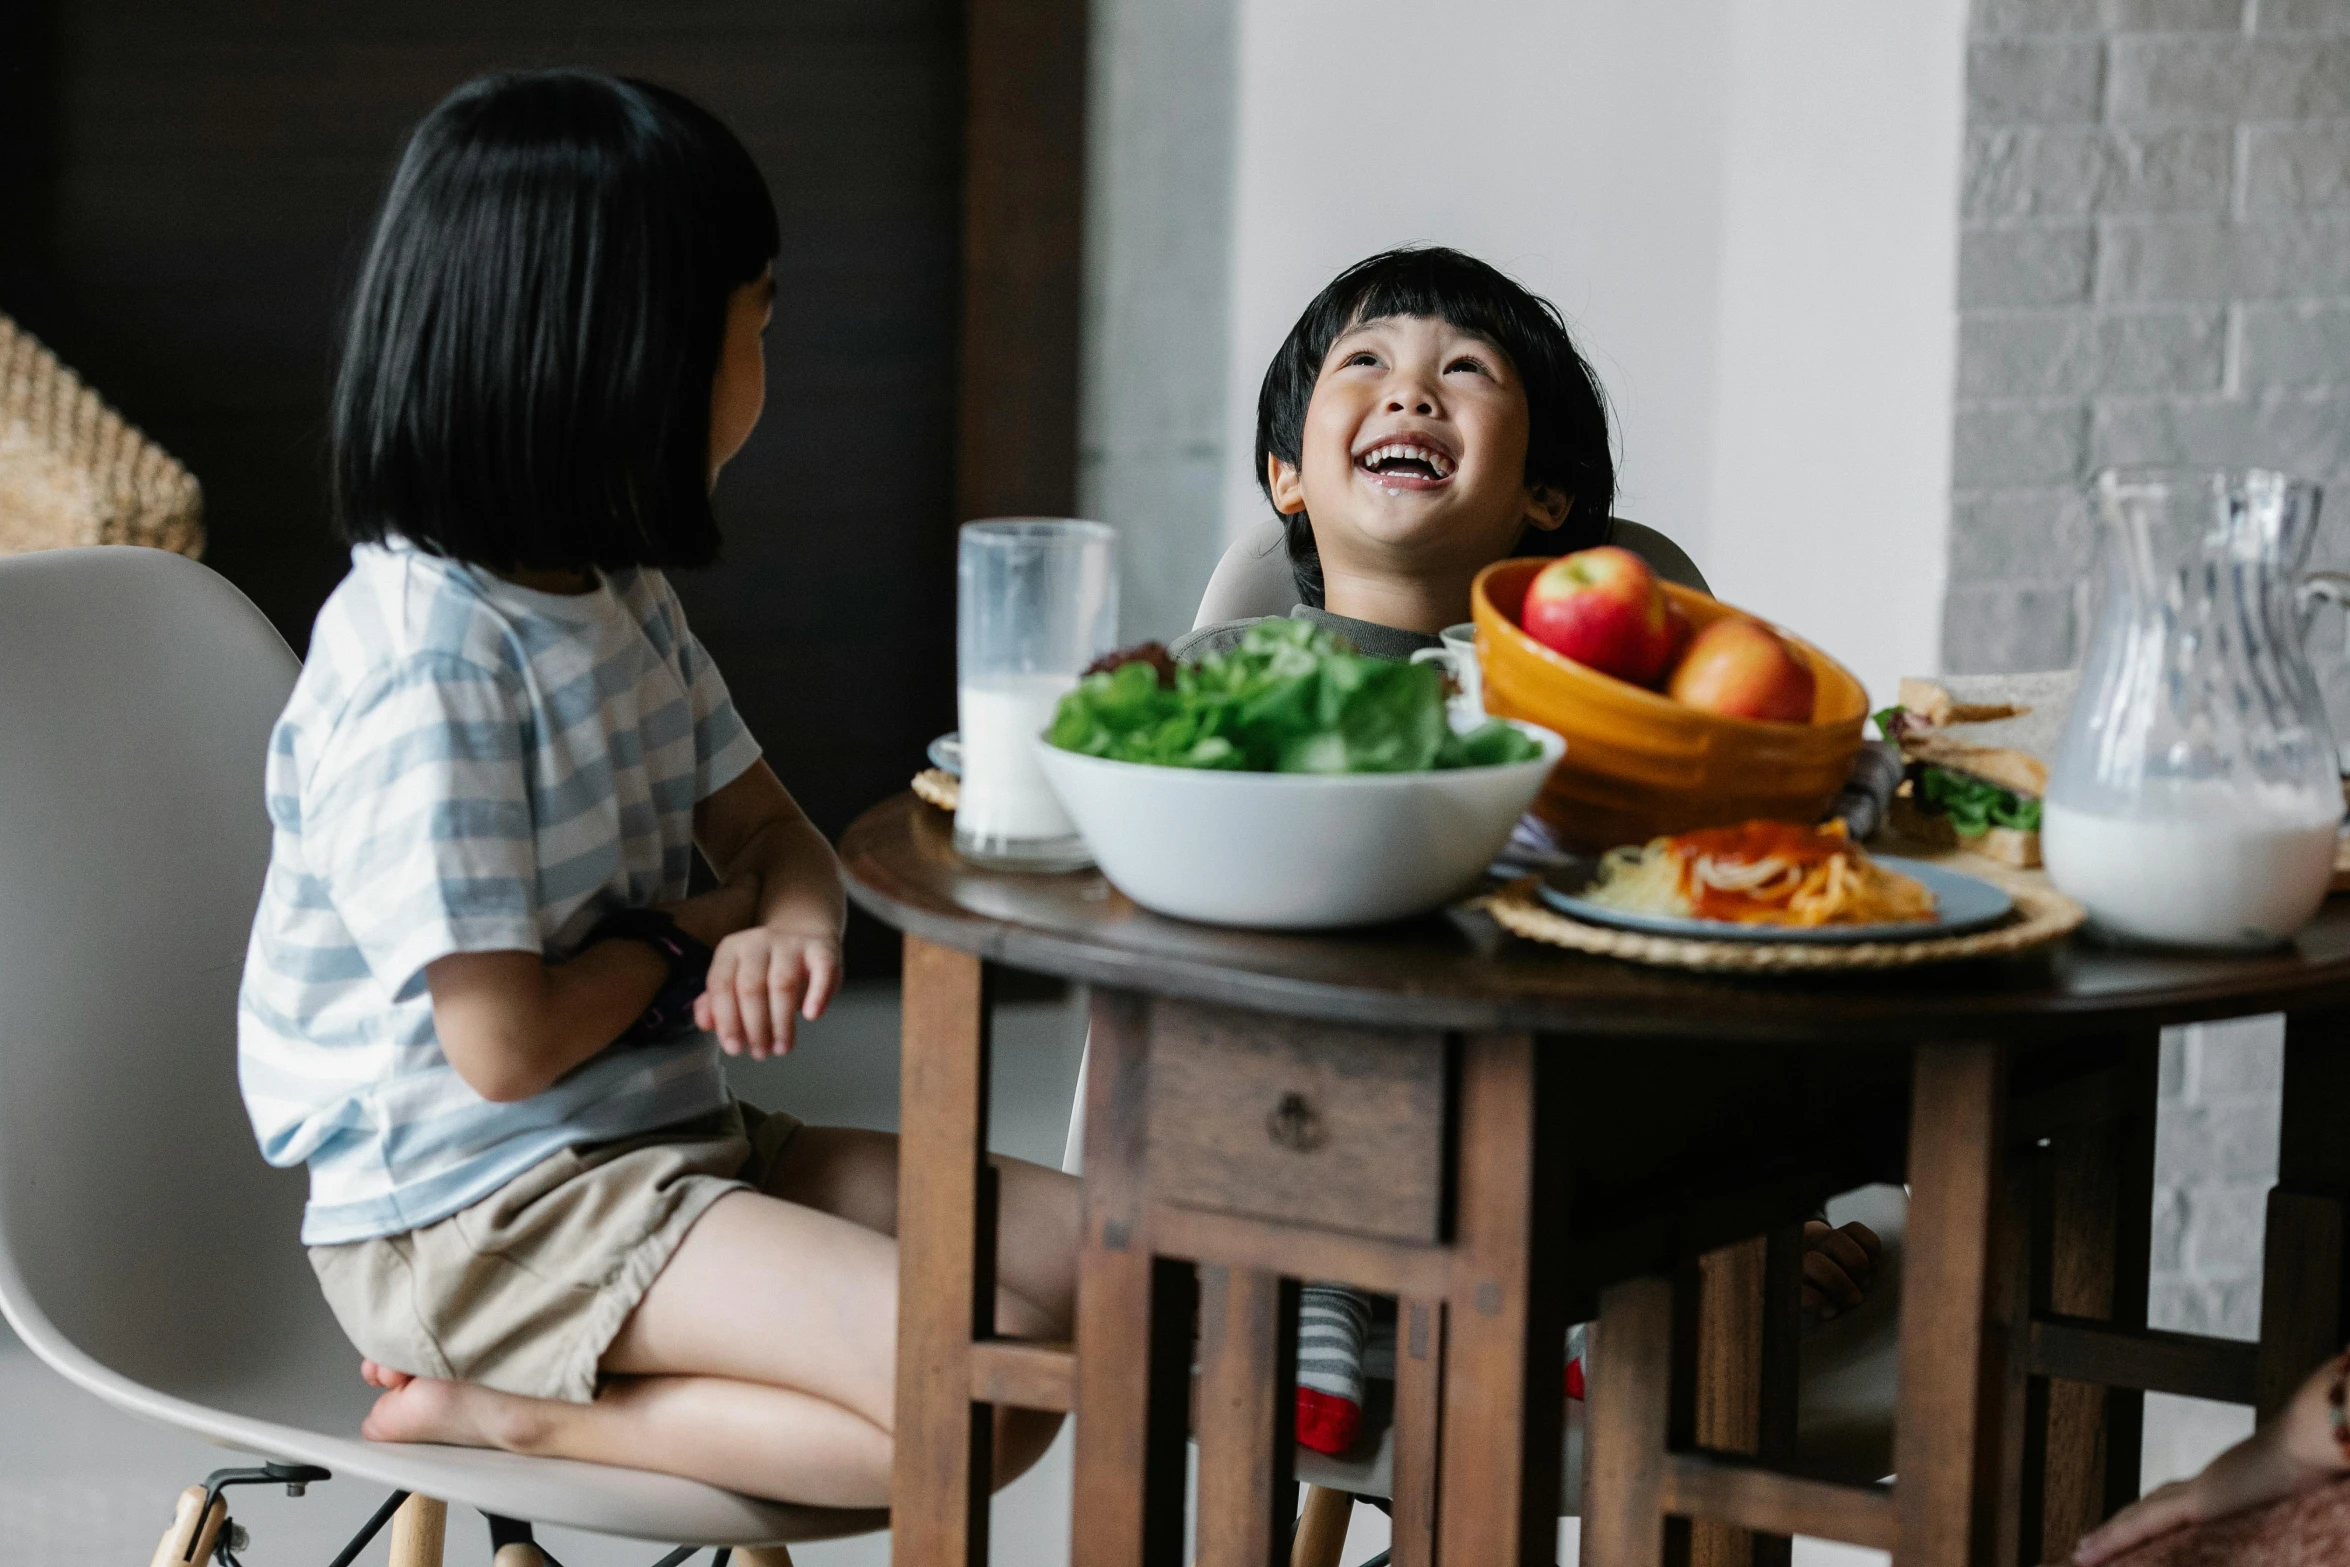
<point x="1370" y="639"/>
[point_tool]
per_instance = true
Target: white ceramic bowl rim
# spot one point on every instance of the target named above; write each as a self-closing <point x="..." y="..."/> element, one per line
<point x="1553" y="746"/>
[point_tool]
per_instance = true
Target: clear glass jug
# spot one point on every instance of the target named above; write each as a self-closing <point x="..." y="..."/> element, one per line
<point x="2196" y="796"/>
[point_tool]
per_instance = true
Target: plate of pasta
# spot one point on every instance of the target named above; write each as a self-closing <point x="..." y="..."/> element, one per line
<point x="1773" y="881"/>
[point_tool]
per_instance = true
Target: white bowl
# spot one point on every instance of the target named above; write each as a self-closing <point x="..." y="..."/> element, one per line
<point x="1294" y="850"/>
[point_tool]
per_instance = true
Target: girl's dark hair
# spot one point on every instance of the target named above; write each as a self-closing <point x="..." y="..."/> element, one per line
<point x="1566" y="414"/>
<point x="526" y="373"/>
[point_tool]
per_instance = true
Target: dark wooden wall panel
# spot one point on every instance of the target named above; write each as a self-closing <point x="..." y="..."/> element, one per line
<point x="188" y="188"/>
<point x="1023" y="282"/>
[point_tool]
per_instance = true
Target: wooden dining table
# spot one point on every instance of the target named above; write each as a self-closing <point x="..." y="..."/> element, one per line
<point x="1508" y="1138"/>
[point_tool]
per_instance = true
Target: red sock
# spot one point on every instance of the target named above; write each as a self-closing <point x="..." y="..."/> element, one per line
<point x="1326" y="1422"/>
<point x="1332" y="1322"/>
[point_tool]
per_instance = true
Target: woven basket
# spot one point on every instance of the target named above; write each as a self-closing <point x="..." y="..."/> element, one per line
<point x="74" y="472"/>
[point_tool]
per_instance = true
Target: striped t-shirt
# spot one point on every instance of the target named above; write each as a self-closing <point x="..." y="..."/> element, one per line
<point x="466" y="766"/>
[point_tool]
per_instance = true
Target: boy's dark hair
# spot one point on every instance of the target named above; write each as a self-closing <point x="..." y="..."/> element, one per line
<point x="526" y="373"/>
<point x="1566" y="414"/>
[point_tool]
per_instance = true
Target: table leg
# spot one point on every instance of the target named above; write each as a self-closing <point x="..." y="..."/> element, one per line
<point x="1505" y="1351"/>
<point x="2303" y="1289"/>
<point x="939" y="1481"/>
<point x="1748" y="1338"/>
<point x="1949" y="1428"/>
<point x="1247" y="1418"/>
<point x="2094" y="1198"/>
<point x="1419" y="1394"/>
<point x="1627" y="1426"/>
<point x="1133" y="1321"/>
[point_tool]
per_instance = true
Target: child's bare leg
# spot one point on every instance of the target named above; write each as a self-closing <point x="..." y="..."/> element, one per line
<point x="759" y="1440"/>
<point x="777" y="1292"/>
<point x="854" y="1174"/>
<point x="765" y="1441"/>
<point x="795" y="1297"/>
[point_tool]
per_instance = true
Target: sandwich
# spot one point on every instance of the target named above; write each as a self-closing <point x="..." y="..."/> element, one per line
<point x="1975" y="751"/>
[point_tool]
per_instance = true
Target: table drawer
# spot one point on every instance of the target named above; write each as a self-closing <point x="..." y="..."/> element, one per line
<point x="1307" y="1123"/>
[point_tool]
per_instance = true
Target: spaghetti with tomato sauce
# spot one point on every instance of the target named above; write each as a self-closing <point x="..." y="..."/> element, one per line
<point x="1760" y="873"/>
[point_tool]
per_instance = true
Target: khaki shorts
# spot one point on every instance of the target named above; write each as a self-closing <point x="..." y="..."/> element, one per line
<point x="526" y="1289"/>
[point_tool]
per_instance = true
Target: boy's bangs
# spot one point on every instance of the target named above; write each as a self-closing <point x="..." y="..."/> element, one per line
<point x="1383" y="298"/>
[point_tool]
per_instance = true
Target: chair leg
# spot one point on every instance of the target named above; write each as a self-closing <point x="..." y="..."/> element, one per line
<point x="1321" y="1528"/>
<point x="512" y="1545"/>
<point x="190" y="1538"/>
<point x="417" y="1531"/>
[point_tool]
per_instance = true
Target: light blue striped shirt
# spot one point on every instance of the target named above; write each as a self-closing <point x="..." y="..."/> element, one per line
<point x="466" y="766"/>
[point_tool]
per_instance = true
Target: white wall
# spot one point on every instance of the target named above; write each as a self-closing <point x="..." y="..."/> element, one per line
<point x="1829" y="482"/>
<point x="1157" y="252"/>
<point x="1747" y="209"/>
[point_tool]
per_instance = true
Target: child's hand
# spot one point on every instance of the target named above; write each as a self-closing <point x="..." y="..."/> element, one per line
<point x="2292" y="1453"/>
<point x="761" y="982"/>
<point x="1839" y="1267"/>
<point x="713" y="916"/>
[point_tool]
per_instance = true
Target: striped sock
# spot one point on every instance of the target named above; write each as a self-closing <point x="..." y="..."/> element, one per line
<point x="1332" y="1322"/>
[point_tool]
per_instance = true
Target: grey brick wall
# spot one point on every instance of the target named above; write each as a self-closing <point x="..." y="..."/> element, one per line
<point x="2154" y="268"/>
<point x="2215" y="1159"/>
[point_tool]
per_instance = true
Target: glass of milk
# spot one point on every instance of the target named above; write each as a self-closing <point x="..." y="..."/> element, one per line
<point x="2196" y="798"/>
<point x="1036" y="601"/>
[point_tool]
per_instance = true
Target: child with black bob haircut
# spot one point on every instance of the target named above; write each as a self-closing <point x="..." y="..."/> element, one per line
<point x="1426" y="417"/>
<point x="478" y="1002"/>
<point x="516" y="385"/>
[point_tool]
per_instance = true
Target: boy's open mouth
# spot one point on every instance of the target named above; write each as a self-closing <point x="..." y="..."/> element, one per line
<point x="1406" y="464"/>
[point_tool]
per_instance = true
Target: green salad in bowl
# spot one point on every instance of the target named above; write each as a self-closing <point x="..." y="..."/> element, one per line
<point x="1289" y="783"/>
<point x="1291" y="698"/>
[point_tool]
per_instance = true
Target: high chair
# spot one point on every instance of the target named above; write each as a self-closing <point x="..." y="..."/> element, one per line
<point x="1841" y="1425"/>
<point x="147" y="1254"/>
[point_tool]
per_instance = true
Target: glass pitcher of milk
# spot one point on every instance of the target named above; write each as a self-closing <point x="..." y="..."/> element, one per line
<point x="2196" y="796"/>
<point x="1036" y="600"/>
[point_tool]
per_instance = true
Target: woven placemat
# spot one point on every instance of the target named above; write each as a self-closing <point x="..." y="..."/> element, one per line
<point x="2042" y="915"/>
<point x="936" y="786"/>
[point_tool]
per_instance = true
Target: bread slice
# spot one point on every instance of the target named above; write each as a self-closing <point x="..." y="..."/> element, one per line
<point x="1933" y="831"/>
<point x="2003" y="729"/>
<point x="2008" y="847"/>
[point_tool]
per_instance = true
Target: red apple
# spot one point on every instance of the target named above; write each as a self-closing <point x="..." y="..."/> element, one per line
<point x="1602" y="607"/>
<point x="1741" y="668"/>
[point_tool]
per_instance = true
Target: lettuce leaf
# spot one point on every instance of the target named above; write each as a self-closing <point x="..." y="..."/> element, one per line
<point x="1290" y="698"/>
<point x="1974" y="805"/>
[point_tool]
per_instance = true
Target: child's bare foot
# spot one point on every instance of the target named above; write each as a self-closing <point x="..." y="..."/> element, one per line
<point x="463" y="1414"/>
<point x="376" y="1374"/>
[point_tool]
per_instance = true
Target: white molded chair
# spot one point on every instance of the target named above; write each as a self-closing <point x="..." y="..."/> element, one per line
<point x="147" y="1253"/>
